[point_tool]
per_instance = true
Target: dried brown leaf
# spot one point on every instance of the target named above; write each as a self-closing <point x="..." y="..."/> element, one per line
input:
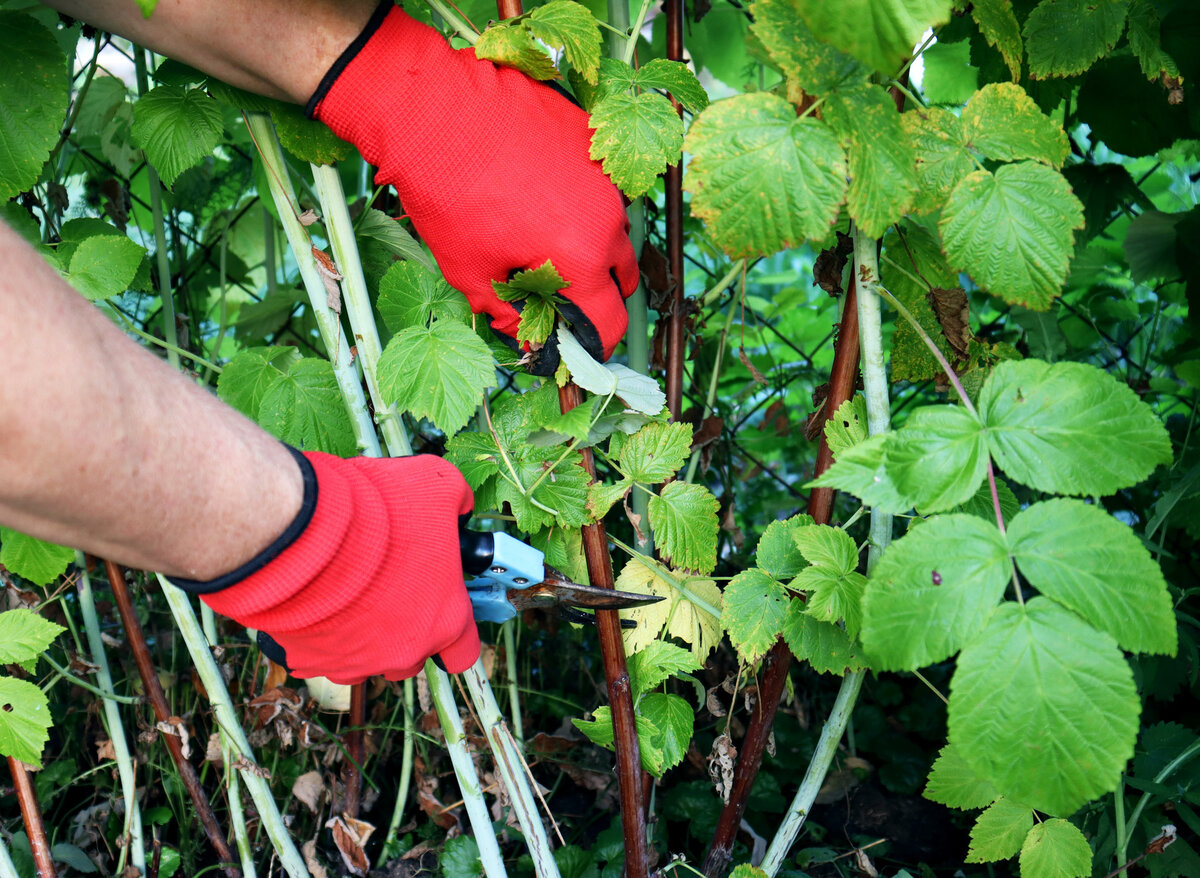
<point x="831" y="263"/>
<point x="308" y="217"/>
<point x="309" y="851"/>
<point x="754" y="373"/>
<point x="720" y="766"/>
<point x="954" y="315"/>
<point x="173" y="725"/>
<point x="350" y="835"/>
<point x="308" y="788"/>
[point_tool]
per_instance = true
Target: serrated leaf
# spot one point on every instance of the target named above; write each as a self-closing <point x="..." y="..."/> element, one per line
<point x="308" y="139"/>
<point x="654" y="453"/>
<point x="104" y="265"/>
<point x="847" y="426"/>
<point x="33" y="112"/>
<point x="673" y="719"/>
<point x="999" y="27"/>
<point x="599" y="731"/>
<point x="1145" y="39"/>
<point x="572" y="425"/>
<point x="933" y="591"/>
<point x="982" y="506"/>
<point x="753" y="609"/>
<point x="1003" y="122"/>
<point x="569" y="26"/>
<point x="861" y="471"/>
<point x="511" y="45"/>
<point x="412" y="295"/>
<point x="563" y="548"/>
<point x="560" y="498"/>
<point x="475" y="455"/>
<point x="1056" y="848"/>
<point x="250" y="374"/>
<point x="882" y="164"/>
<point x="1082" y="557"/>
<point x="949" y="79"/>
<point x="376" y="228"/>
<point x="684" y="519"/>
<point x="656" y="663"/>
<point x="33" y="559"/>
<point x="673" y="77"/>
<point x="305" y="409"/>
<point x="816" y="66"/>
<point x="460" y="858"/>
<point x="954" y="784"/>
<point x="690" y="621"/>
<point x="25" y="635"/>
<point x="763" y="179"/>
<point x="176" y="128"/>
<point x="823" y="645"/>
<point x="777" y="551"/>
<point x="1013" y="231"/>
<point x="745" y="870"/>
<point x="636" y="137"/>
<point x="881" y="33"/>
<point x="537" y="322"/>
<point x="942" y="158"/>
<point x="1044" y="706"/>
<point x="437" y="372"/>
<point x="24" y="721"/>
<point x="919" y="265"/>
<point x="939" y="458"/>
<point x="1064" y="37"/>
<point x="833" y="596"/>
<point x="601" y="497"/>
<point x="999" y="831"/>
<point x="828" y="547"/>
<point x="1069" y="428"/>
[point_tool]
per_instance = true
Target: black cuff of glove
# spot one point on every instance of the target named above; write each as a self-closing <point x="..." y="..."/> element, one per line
<point x="343" y="61"/>
<point x="273" y="551"/>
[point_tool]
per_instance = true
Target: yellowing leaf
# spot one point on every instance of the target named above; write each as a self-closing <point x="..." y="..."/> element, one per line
<point x="569" y="26"/>
<point x="690" y="612"/>
<point x="636" y="137"/>
<point x="511" y="45"/>
<point x="999" y="27"/>
<point x="942" y="158"/>
<point x="1003" y="122"/>
<point x="881" y="33"/>
<point x="816" y="66"/>
<point x="684" y="519"/>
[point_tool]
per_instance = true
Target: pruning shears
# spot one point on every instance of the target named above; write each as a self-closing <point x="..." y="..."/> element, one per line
<point x="510" y="576"/>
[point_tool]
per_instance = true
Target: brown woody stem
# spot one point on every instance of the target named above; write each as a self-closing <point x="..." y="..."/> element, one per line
<point x="355" y="748"/>
<point x="31" y="813"/>
<point x="676" y="328"/>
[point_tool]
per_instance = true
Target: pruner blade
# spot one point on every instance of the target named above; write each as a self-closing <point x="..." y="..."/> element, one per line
<point x="556" y="590"/>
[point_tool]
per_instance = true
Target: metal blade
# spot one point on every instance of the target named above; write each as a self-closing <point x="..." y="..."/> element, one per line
<point x="557" y="589"/>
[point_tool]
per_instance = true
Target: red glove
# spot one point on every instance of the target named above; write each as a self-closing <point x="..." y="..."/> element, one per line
<point x="492" y="168"/>
<point x="368" y="578"/>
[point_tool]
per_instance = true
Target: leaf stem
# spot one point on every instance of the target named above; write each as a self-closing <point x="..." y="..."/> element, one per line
<point x="635" y="31"/>
<point x="1167" y="770"/>
<point x="158" y="342"/>
<point x="61" y="673"/>
<point x="909" y="63"/>
<point x="931" y="687"/>
<point x="461" y="26"/>
<point x="666" y="574"/>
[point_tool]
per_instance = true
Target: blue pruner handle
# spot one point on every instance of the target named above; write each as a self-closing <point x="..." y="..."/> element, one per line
<point x="498" y="562"/>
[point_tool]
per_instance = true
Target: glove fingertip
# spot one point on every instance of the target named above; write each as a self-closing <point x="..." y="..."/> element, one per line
<point x="463" y="653"/>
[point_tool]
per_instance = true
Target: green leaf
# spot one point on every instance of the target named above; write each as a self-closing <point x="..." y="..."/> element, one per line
<point x="1025" y="211"/>
<point x="599" y="729"/>
<point x="104" y="266"/>
<point x="1003" y="122"/>
<point x="684" y="519"/>
<point x="77" y="859"/>
<point x="823" y="645"/>
<point x="177" y="128"/>
<point x="412" y="295"/>
<point x="941" y="155"/>
<point x="1082" y="557"/>
<point x="569" y="26"/>
<point x="636" y="137"/>
<point x="816" y="66"/>
<point x="933" y="591"/>
<point x="953" y="783"/>
<point x="543" y="281"/>
<point x="999" y="27"/>
<point x="1069" y="428"/>
<point x="883" y="166"/>
<point x="1056" y="848"/>
<point x="437" y="372"/>
<point x="684" y="615"/>
<point x="939" y="458"/>
<point x="982" y="505"/>
<point x="1064" y="37"/>
<point x="24" y="721"/>
<point x="511" y="45"/>
<point x="563" y="547"/>
<point x="847" y="426"/>
<point x="1145" y="39"/>
<point x="745" y="870"/>
<point x="673" y="719"/>
<point x="460" y="858"/>
<point x="919" y="265"/>
<point x="308" y="139"/>
<point x="25" y="635"/>
<point x="601" y="497"/>
<point x="375" y="229"/>
<point x="881" y="33"/>
<point x="305" y="409"/>
<point x="753" y="609"/>
<point x="833" y="596"/>
<point x="949" y="79"/>
<point x="33" y="559"/>
<point x="250" y="374"/>
<point x="537" y="322"/>
<point x="777" y="551"/>
<point x="999" y="831"/>
<point x="763" y="179"/>
<point x="861" y="471"/>
<point x="35" y="103"/>
<point x="651" y="739"/>
<point x="654" y="453"/>
<point x="828" y="547"/>
<point x="673" y="77"/>
<point x="574" y="862"/>
<point x="1044" y="706"/>
<point x="559" y="498"/>
<point x="656" y="663"/>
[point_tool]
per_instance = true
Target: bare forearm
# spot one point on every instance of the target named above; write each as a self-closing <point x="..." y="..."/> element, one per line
<point x="278" y="48"/>
<point x="105" y="448"/>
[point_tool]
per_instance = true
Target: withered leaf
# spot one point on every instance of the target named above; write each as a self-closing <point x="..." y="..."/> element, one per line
<point x="829" y="265"/>
<point x="330" y="275"/>
<point x="954" y="315"/>
<point x="754" y="373"/>
<point x="309" y="851"/>
<point x="308" y="788"/>
<point x="350" y="835"/>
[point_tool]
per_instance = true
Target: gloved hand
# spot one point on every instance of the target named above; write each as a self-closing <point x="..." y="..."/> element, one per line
<point x="368" y="578"/>
<point x="492" y="168"/>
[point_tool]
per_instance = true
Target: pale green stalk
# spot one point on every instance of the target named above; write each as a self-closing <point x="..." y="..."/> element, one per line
<point x="160" y="233"/>
<point x="112" y="720"/>
<point x="222" y="704"/>
<point x="357" y="302"/>
<point x="336" y="345"/>
<point x="269" y="250"/>
<point x="514" y="691"/>
<point x="62" y="673"/>
<point x="512" y="770"/>
<point x="461" y="26"/>
<point x="7" y="869"/>
<point x="388" y="851"/>
<point x="1125" y="830"/>
<point x="464" y="769"/>
<point x="237" y="816"/>
<point x="875" y="389"/>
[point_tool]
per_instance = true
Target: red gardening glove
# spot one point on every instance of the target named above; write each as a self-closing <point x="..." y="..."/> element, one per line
<point x="368" y="578"/>
<point x="492" y="168"/>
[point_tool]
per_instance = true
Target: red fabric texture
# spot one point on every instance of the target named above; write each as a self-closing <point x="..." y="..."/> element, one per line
<point x="374" y="584"/>
<point x="492" y="168"/>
